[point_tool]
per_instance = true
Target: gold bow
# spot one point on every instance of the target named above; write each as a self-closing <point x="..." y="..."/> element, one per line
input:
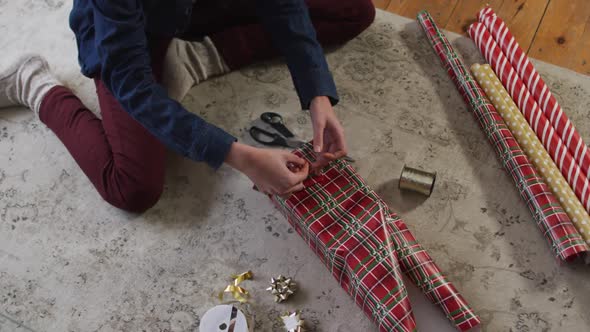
<point x="239" y="293"/>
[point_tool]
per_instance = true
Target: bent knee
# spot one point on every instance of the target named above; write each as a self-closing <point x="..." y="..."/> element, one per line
<point x="142" y="198"/>
<point x="136" y="198"/>
<point x="362" y="14"/>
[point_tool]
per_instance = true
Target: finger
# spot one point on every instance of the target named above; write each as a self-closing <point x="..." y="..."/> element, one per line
<point x="331" y="147"/>
<point x="337" y="150"/>
<point x="292" y="158"/>
<point x="293" y="167"/>
<point x="323" y="160"/>
<point x="263" y="190"/>
<point x="339" y="142"/>
<point x="339" y="154"/>
<point x="320" y="163"/>
<point x="305" y="168"/>
<point x="318" y="135"/>
<point x="317" y="167"/>
<point x="299" y="176"/>
<point x="329" y="156"/>
<point x="297" y="187"/>
<point x="294" y="189"/>
<point x="267" y="190"/>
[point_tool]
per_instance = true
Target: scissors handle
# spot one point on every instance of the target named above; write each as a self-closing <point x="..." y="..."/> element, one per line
<point x="267" y="138"/>
<point x="276" y="121"/>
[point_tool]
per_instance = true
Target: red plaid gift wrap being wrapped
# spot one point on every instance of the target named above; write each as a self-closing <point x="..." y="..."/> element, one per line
<point x="367" y="248"/>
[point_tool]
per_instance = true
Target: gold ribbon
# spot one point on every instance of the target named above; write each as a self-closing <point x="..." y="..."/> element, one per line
<point x="239" y="293"/>
<point x="533" y="148"/>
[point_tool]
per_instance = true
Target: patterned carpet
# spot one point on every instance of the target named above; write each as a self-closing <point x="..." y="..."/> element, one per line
<point x="70" y="262"/>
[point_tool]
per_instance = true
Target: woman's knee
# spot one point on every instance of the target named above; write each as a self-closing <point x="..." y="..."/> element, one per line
<point x="365" y="14"/>
<point x="142" y="198"/>
<point x="135" y="196"/>
<point x="361" y="14"/>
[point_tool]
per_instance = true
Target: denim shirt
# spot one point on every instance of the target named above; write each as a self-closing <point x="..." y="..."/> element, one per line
<point x="112" y="42"/>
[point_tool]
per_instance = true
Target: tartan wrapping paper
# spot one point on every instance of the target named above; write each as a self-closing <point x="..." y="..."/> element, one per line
<point x="531" y="111"/>
<point x="525" y="136"/>
<point x="545" y="208"/>
<point x="366" y="247"/>
<point x="537" y="87"/>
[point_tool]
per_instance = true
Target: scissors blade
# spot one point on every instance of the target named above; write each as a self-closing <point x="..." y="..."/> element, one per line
<point x="294" y="144"/>
<point x="281" y="128"/>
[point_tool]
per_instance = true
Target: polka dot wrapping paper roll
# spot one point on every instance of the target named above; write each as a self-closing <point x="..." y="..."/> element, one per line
<point x="532" y="146"/>
<point x="555" y="225"/>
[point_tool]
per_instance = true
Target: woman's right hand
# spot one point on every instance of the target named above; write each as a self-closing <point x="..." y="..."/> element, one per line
<point x="275" y="172"/>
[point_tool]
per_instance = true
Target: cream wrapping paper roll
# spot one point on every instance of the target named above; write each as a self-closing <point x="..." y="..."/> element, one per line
<point x="533" y="148"/>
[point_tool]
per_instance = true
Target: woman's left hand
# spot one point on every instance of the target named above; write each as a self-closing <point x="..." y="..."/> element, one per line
<point x="328" y="135"/>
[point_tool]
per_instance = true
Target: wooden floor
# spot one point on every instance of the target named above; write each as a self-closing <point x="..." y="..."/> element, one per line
<point x="555" y="31"/>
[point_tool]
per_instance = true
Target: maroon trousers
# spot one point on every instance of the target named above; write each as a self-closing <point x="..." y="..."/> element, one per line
<point x="124" y="162"/>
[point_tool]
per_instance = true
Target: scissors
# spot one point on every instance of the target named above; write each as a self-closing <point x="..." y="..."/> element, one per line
<point x="284" y="139"/>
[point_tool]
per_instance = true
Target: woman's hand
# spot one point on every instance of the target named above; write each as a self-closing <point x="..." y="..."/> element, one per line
<point x="328" y="134"/>
<point x="274" y="172"/>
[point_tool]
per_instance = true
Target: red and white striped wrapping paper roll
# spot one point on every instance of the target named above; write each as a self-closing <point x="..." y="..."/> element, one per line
<point x="537" y="87"/>
<point x="556" y="226"/>
<point x="484" y="12"/>
<point x="531" y="111"/>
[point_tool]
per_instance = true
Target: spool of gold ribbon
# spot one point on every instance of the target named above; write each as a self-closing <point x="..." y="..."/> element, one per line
<point x="239" y="293"/>
<point x="417" y="180"/>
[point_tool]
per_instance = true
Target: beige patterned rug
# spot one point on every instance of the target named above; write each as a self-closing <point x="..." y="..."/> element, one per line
<point x="70" y="262"/>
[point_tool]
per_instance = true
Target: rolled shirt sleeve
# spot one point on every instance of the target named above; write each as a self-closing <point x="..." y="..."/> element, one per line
<point x="126" y="71"/>
<point x="292" y="32"/>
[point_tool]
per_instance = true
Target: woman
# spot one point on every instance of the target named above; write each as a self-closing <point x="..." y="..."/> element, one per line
<point x="124" y="45"/>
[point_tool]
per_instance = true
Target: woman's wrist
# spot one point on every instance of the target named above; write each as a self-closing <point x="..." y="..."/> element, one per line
<point x="238" y="156"/>
<point x="317" y="101"/>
